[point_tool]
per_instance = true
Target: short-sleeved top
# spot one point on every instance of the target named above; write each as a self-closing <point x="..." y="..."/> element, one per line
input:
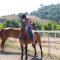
<point x="24" y="22"/>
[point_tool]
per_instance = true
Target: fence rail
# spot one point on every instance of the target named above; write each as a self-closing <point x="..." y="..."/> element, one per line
<point x="48" y="31"/>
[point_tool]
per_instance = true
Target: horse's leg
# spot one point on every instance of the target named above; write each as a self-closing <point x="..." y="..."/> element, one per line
<point x="2" y="44"/>
<point x="38" y="39"/>
<point x="22" y="52"/>
<point x="34" y="46"/>
<point x="41" y="49"/>
<point x="26" y="51"/>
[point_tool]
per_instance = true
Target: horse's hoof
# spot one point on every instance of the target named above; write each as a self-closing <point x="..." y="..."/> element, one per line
<point x="2" y="50"/>
<point x="26" y="58"/>
<point x="41" y="57"/>
<point x="35" y="54"/>
<point x="21" y="58"/>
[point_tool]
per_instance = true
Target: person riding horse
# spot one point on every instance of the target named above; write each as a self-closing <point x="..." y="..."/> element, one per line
<point x="27" y="25"/>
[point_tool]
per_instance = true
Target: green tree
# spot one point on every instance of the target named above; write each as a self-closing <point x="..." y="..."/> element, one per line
<point x="2" y="25"/>
<point x="12" y="23"/>
<point x="51" y="12"/>
<point x="51" y="25"/>
<point x="38" y="26"/>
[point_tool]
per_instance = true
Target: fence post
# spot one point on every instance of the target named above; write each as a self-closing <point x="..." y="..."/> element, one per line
<point x="55" y="39"/>
<point x="48" y="44"/>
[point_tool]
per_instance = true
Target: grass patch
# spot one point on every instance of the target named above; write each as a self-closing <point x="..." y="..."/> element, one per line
<point x="12" y="44"/>
<point x="51" y="56"/>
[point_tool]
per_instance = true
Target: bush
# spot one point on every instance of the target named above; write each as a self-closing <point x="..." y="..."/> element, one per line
<point x="39" y="27"/>
<point x="2" y="25"/>
<point x="12" y="23"/>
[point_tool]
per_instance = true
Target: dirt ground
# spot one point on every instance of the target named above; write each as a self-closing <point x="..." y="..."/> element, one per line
<point x="12" y="50"/>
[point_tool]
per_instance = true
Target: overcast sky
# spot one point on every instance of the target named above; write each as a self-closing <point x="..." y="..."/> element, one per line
<point x="16" y="6"/>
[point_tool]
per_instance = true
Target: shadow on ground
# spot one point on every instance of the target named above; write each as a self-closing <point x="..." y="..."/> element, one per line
<point x="36" y="58"/>
<point x="32" y="57"/>
<point x="10" y="53"/>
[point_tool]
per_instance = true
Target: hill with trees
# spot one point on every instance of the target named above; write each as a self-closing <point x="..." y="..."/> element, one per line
<point x="46" y="18"/>
<point x="50" y="12"/>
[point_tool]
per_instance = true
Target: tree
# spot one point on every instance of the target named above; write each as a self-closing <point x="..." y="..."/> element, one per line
<point x="12" y="23"/>
<point x="50" y="12"/>
<point x="2" y="25"/>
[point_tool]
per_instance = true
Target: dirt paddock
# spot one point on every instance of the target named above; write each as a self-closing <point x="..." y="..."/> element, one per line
<point x="12" y="50"/>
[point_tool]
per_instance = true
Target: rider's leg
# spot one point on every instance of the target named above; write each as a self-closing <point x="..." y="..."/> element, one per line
<point x="31" y="36"/>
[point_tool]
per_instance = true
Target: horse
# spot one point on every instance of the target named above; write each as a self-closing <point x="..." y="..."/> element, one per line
<point x="8" y="32"/>
<point x="23" y="37"/>
<point x="25" y="40"/>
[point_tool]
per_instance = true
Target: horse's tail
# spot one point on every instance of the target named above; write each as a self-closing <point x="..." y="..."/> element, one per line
<point x="38" y="37"/>
<point x="1" y="33"/>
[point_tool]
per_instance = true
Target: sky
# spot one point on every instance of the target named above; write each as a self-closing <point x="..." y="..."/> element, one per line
<point x="8" y="7"/>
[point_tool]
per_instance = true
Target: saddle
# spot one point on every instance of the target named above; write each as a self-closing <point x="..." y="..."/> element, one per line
<point x="26" y="34"/>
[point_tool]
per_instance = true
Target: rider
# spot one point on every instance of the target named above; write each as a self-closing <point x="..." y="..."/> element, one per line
<point x="26" y="23"/>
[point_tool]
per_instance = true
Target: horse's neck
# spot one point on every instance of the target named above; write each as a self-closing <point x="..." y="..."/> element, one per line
<point x="24" y="35"/>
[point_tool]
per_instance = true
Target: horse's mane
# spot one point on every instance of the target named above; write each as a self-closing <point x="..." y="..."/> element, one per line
<point x="12" y="28"/>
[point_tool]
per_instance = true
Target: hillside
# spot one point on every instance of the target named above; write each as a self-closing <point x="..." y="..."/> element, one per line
<point x="50" y="12"/>
<point x="10" y="17"/>
<point x="15" y="17"/>
<point x="38" y="20"/>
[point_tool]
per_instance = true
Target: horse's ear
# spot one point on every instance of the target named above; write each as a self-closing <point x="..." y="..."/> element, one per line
<point x="21" y="29"/>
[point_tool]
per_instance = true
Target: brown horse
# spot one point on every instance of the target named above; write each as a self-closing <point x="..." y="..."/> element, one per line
<point x="25" y="40"/>
<point x="23" y="37"/>
<point x="8" y="32"/>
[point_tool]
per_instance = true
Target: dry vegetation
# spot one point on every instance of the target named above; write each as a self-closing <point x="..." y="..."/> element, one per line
<point x="12" y="45"/>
